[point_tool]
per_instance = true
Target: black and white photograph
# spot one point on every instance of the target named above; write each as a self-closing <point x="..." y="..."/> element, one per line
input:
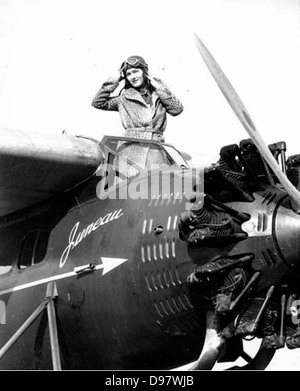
<point x="150" y="188"/>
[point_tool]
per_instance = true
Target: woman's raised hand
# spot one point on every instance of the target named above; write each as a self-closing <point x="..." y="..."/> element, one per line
<point x="154" y="83"/>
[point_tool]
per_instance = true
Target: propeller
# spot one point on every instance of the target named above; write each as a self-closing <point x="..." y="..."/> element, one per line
<point x="244" y="117"/>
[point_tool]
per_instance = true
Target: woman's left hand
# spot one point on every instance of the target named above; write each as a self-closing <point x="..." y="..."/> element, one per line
<point x="154" y="83"/>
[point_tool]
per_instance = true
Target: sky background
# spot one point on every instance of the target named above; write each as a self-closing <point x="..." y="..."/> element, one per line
<point x="55" y="54"/>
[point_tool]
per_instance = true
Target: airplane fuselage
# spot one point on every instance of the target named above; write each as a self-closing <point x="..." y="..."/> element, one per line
<point x="119" y="270"/>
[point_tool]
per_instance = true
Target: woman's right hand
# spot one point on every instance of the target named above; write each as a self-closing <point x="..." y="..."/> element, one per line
<point x="116" y="78"/>
<point x="119" y="76"/>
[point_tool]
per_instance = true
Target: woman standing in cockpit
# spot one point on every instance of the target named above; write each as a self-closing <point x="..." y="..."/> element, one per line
<point x="143" y="103"/>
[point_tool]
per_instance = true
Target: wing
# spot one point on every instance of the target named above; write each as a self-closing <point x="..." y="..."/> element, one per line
<point x="35" y="167"/>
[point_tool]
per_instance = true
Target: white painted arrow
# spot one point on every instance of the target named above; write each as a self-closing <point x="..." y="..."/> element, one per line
<point x="109" y="264"/>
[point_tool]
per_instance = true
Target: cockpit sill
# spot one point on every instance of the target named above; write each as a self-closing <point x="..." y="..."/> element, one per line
<point x="172" y="155"/>
<point x="159" y="168"/>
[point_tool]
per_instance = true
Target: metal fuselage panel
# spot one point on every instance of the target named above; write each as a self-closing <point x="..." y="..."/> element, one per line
<point x="130" y="310"/>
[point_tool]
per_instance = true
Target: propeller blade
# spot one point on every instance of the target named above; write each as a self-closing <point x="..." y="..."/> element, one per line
<point x="244" y="117"/>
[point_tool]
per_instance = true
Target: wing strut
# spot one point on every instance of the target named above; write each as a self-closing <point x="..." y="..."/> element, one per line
<point x="49" y="302"/>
